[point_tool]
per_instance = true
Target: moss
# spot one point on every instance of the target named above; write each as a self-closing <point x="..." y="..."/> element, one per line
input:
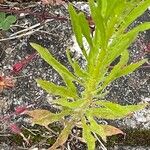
<point x="133" y="137"/>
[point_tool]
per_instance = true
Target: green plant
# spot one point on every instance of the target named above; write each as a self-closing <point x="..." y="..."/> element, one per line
<point x="6" y="21"/>
<point x="111" y="40"/>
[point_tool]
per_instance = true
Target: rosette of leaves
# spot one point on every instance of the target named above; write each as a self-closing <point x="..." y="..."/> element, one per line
<point x="111" y="39"/>
<point x="6" y="21"/>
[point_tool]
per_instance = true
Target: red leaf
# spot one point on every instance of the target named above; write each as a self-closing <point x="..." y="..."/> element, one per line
<point x="15" y="129"/>
<point x="20" y="109"/>
<point x="17" y="67"/>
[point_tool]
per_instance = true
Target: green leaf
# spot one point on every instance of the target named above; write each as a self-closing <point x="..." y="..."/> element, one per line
<point x="11" y="19"/>
<point x="136" y="12"/>
<point x="109" y="110"/>
<point x="96" y="128"/>
<point x="77" y="28"/>
<point x="77" y="69"/>
<point x="5" y="25"/>
<point x="55" y="89"/>
<point x="88" y="137"/>
<point x="104" y="7"/>
<point x="139" y="28"/>
<point x="67" y="76"/>
<point x="117" y="68"/>
<point x="71" y="105"/>
<point x="130" y="68"/>
<point x="2" y="16"/>
<point x="85" y="28"/>
<point x="99" y="21"/>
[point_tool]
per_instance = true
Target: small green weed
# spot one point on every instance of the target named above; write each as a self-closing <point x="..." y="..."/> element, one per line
<point x="6" y="21"/>
<point x="110" y="40"/>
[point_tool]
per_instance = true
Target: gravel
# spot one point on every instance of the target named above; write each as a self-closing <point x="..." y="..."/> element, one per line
<point x="56" y="35"/>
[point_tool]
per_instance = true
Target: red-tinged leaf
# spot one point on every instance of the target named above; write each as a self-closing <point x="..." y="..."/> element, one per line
<point x="18" y="67"/>
<point x="20" y="109"/>
<point x="15" y="129"/>
<point x="111" y="130"/>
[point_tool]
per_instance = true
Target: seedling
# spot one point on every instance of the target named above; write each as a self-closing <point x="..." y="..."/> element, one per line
<point x="111" y="39"/>
<point x="6" y="21"/>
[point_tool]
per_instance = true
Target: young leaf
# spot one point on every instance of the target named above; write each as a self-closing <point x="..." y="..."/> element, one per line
<point x="55" y="89"/>
<point x="77" y="69"/>
<point x="85" y="29"/>
<point x="77" y="28"/>
<point x="112" y="76"/>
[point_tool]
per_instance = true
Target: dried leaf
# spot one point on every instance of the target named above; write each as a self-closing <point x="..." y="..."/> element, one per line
<point x="111" y="130"/>
<point x="6" y="82"/>
<point x="53" y="2"/>
<point x="43" y="117"/>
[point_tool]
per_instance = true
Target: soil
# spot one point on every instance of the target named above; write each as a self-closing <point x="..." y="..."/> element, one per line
<point x="56" y="35"/>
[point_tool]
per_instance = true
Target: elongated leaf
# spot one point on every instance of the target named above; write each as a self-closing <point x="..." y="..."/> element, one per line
<point x="85" y="28"/>
<point x="55" y="89"/>
<point x="71" y="105"/>
<point x="90" y="140"/>
<point x="139" y="10"/>
<point x="67" y="76"/>
<point x="130" y="68"/>
<point x="113" y="111"/>
<point x="75" y="25"/>
<point x="96" y="128"/>
<point x="139" y="28"/>
<point x="63" y="136"/>
<point x="104" y="8"/>
<point x="96" y="13"/>
<point x="77" y="69"/>
<point x="112" y="76"/>
<point x="111" y="7"/>
<point x="77" y="28"/>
